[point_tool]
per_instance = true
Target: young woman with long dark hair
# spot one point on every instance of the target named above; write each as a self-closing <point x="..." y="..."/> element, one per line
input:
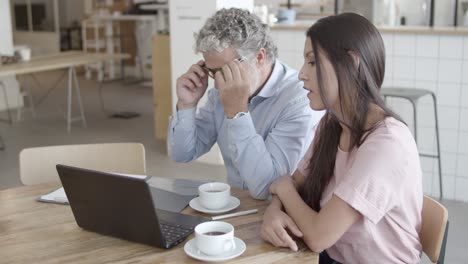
<point x="357" y="194"/>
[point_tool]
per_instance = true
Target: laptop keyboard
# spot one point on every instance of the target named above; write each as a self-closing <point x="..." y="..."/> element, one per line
<point x="173" y="233"/>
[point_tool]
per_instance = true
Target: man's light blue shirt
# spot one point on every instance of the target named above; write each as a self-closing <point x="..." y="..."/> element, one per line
<point x="258" y="147"/>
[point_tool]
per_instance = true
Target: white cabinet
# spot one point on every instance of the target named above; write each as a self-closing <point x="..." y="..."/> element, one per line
<point x="6" y="47"/>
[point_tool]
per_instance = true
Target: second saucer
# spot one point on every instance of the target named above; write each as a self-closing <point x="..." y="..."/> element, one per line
<point x="233" y="203"/>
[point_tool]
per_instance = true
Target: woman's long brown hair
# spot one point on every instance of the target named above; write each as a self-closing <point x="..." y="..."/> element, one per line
<point x="358" y="87"/>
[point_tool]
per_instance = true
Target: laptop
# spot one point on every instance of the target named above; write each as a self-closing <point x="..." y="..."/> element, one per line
<point x="123" y="207"/>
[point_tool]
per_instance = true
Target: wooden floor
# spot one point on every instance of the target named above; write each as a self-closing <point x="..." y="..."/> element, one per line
<point x="49" y="128"/>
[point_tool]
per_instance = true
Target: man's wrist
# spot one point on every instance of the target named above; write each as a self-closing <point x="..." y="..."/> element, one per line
<point x="182" y="106"/>
<point x="240" y="114"/>
<point x="230" y="114"/>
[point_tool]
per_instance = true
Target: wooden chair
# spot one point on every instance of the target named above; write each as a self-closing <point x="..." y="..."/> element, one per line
<point x="37" y="165"/>
<point x="434" y="230"/>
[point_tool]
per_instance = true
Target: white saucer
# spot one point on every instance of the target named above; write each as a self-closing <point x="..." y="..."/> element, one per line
<point x="191" y="249"/>
<point x="232" y="204"/>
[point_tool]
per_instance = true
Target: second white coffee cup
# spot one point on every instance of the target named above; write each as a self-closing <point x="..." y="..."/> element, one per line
<point x="214" y="195"/>
<point x="214" y="238"/>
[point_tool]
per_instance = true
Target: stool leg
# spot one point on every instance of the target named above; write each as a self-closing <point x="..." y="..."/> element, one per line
<point x="415" y="120"/>
<point x="441" y="196"/>
<point x="78" y="96"/>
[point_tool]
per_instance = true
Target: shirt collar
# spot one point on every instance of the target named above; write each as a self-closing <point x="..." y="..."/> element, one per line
<point x="270" y="87"/>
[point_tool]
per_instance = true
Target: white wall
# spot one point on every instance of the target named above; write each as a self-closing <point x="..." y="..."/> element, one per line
<point x="71" y="10"/>
<point x="40" y="42"/>
<point x="416" y="12"/>
<point x="444" y="13"/>
<point x="6" y="47"/>
<point x="363" y="7"/>
<point x="437" y="63"/>
<point x="440" y="64"/>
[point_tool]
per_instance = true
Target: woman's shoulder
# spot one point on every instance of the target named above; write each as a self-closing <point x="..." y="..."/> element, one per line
<point x="392" y="129"/>
<point x="391" y="134"/>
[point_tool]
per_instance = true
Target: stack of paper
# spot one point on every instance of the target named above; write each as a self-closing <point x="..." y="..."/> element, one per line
<point x="57" y="196"/>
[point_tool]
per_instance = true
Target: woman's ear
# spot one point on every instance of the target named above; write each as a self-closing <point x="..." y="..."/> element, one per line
<point x="355" y="57"/>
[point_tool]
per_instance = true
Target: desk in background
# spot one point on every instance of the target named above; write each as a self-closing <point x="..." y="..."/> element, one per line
<point x="63" y="60"/>
<point x="33" y="232"/>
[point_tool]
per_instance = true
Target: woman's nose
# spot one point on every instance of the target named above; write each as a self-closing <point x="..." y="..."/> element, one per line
<point x="302" y="76"/>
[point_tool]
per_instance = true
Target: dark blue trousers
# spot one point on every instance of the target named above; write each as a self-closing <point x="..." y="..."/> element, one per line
<point x="325" y="259"/>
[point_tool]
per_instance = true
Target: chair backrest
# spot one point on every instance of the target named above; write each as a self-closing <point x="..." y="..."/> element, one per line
<point x="37" y="165"/>
<point x="434" y="229"/>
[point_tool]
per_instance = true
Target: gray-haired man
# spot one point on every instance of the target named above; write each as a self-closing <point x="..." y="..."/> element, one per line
<point x="258" y="112"/>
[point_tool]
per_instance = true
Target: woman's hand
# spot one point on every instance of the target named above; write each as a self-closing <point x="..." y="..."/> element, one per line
<point x="282" y="185"/>
<point x="275" y="223"/>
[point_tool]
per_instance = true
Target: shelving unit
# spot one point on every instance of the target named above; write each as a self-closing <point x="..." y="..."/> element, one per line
<point x="105" y="37"/>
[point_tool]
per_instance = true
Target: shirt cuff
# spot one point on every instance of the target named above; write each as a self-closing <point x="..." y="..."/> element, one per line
<point x="184" y="119"/>
<point x="240" y="128"/>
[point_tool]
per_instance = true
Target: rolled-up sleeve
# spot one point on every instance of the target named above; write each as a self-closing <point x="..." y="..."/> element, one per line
<point x="192" y="134"/>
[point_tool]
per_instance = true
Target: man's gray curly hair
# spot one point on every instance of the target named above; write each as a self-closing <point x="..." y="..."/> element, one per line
<point x="238" y="29"/>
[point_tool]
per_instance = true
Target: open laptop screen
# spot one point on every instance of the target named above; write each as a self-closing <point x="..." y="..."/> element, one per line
<point x="115" y="205"/>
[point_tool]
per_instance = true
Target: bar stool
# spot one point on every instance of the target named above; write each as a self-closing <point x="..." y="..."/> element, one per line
<point x="413" y="95"/>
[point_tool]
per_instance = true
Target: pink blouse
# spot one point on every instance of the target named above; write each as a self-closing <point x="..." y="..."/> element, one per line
<point x="382" y="180"/>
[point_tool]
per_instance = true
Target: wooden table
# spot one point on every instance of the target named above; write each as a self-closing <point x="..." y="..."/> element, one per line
<point x="34" y="232"/>
<point x="64" y="60"/>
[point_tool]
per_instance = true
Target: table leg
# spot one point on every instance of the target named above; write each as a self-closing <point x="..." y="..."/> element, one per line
<point x="139" y="29"/>
<point x="10" y="119"/>
<point x="69" y="102"/>
<point x="73" y="81"/>
<point x="78" y="96"/>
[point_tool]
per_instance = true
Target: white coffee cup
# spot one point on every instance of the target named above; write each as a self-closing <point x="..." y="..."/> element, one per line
<point x="214" y="238"/>
<point x="24" y="52"/>
<point x="214" y="195"/>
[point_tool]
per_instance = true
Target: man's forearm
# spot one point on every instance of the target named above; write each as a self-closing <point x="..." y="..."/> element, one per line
<point x="182" y="136"/>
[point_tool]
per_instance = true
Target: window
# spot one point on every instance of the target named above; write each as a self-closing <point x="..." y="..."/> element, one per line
<point x="34" y="15"/>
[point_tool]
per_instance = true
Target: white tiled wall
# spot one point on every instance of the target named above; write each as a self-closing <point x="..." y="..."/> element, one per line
<point x="440" y="65"/>
<point x="436" y="63"/>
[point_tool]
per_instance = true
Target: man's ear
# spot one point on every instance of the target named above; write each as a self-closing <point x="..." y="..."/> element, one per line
<point x="355" y="57"/>
<point x="261" y="57"/>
